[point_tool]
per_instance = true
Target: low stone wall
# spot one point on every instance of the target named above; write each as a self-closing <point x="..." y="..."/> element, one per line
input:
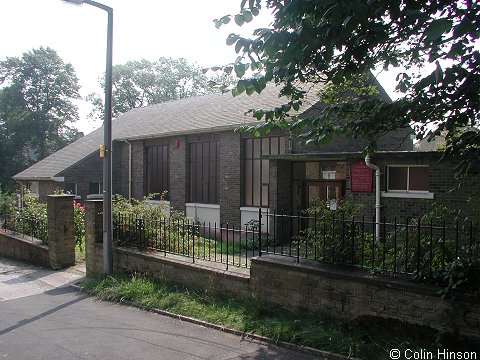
<point x="31" y="251"/>
<point x="175" y="270"/>
<point x="351" y="294"/>
<point x="60" y="251"/>
<point x="307" y="285"/>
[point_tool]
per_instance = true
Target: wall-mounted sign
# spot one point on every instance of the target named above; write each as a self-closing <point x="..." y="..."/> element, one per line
<point x="360" y="177"/>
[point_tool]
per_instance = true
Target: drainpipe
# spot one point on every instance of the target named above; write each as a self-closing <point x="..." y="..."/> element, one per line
<point x="377" y="194"/>
<point x="129" y="169"/>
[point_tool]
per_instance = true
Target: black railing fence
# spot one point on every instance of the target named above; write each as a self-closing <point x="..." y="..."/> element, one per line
<point x="26" y="226"/>
<point x="223" y="244"/>
<point x="414" y="246"/>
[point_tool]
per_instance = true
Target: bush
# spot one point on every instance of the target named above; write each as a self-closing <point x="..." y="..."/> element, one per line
<point x="145" y="226"/>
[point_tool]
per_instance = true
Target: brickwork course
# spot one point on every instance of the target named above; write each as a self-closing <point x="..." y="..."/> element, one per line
<point x="217" y="117"/>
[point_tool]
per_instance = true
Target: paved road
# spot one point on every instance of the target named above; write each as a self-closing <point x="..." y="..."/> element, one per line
<point x="49" y="320"/>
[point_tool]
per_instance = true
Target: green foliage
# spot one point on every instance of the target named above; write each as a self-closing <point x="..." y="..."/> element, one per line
<point x="79" y="225"/>
<point x="30" y="219"/>
<point x="7" y="202"/>
<point x="430" y="45"/>
<point x="326" y="233"/>
<point x="141" y="224"/>
<point x="35" y="109"/>
<point x="437" y="248"/>
<point x="144" y="82"/>
<point x="364" y="338"/>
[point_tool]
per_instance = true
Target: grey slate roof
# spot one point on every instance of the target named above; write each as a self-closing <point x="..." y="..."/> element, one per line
<point x="212" y="112"/>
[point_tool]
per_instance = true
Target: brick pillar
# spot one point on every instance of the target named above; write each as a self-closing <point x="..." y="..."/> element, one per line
<point x="229" y="187"/>
<point x="93" y="235"/>
<point x="178" y="172"/>
<point x="61" y="239"/>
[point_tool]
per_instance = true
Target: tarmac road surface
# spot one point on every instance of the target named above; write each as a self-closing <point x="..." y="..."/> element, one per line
<point x="42" y="317"/>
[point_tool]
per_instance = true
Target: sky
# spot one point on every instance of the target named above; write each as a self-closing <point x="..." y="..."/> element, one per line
<point x="143" y="29"/>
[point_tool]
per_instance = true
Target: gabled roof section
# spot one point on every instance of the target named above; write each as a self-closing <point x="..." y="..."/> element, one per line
<point x="206" y="113"/>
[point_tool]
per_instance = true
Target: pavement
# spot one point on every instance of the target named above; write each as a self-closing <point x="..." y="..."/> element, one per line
<point x="43" y="317"/>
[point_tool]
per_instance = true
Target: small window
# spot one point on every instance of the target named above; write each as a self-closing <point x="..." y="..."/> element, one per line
<point x="34" y="188"/>
<point x="70" y="188"/>
<point x="95" y="188"/>
<point x="407" y="178"/>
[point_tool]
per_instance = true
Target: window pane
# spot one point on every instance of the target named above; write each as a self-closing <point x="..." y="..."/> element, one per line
<point x="282" y="145"/>
<point x="256" y="148"/>
<point x="248" y="182"/>
<point x="418" y="178"/>
<point x="397" y="178"/>
<point x="265" y="146"/>
<point x="70" y="188"/>
<point x="203" y="172"/>
<point x="256" y="182"/>
<point x="274" y="146"/>
<point x="265" y="172"/>
<point x="248" y="148"/>
<point x="265" y="195"/>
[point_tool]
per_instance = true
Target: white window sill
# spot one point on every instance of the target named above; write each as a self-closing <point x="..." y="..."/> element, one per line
<point x="407" y="195"/>
<point x="203" y="206"/>
<point x="95" y="196"/>
<point x="254" y="209"/>
<point x="157" y="202"/>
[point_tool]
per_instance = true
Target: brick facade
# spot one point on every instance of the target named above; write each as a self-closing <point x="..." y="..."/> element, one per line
<point x="86" y="171"/>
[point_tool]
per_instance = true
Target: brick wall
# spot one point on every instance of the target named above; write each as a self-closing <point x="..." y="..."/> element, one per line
<point x="60" y="251"/>
<point x="230" y="178"/>
<point x="89" y="169"/>
<point x="348" y="295"/>
<point x="178" y="172"/>
<point x="442" y="184"/>
<point x="45" y="188"/>
<point x="24" y="249"/>
<point x="138" y="166"/>
<point x="306" y="286"/>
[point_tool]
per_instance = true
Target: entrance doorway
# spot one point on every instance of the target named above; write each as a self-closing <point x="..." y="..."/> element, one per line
<point x="321" y="190"/>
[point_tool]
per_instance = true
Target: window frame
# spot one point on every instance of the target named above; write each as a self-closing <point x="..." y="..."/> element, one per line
<point x="75" y="185"/>
<point x="407" y="193"/>
<point x="204" y="172"/>
<point x="254" y="164"/>
<point x="100" y="187"/>
<point x="162" y="166"/>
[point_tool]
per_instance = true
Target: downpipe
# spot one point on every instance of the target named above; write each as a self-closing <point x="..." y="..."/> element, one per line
<point x="378" y="205"/>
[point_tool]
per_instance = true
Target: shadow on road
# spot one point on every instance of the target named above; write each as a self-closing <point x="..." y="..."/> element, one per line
<point x="48" y="312"/>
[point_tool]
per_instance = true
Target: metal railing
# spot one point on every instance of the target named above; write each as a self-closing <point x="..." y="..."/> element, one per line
<point x="25" y="226"/>
<point x="413" y="247"/>
<point x="223" y="244"/>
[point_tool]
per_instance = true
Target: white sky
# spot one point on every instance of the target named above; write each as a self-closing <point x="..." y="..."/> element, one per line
<point x="143" y="29"/>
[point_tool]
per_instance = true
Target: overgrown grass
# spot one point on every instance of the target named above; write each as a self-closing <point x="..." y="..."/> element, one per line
<point x="364" y="339"/>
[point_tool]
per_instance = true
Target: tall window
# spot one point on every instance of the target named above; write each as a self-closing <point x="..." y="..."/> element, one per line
<point x="407" y="178"/>
<point x="157" y="169"/>
<point x="204" y="172"/>
<point x="257" y="170"/>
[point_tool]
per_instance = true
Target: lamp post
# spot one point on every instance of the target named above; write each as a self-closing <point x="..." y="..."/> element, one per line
<point x="107" y="136"/>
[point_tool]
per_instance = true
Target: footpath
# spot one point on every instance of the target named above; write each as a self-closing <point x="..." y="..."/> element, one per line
<point x="43" y="317"/>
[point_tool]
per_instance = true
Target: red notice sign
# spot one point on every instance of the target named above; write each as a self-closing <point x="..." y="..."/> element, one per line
<point x="360" y="177"/>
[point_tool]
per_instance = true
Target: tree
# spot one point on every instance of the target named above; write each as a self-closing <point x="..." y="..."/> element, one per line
<point x="35" y="108"/>
<point x="142" y="83"/>
<point x="432" y="45"/>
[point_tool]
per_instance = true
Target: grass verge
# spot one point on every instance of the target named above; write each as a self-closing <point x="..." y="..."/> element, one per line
<point x="365" y="338"/>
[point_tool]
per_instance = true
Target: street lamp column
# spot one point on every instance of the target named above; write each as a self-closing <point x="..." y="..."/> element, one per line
<point x="107" y="136"/>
